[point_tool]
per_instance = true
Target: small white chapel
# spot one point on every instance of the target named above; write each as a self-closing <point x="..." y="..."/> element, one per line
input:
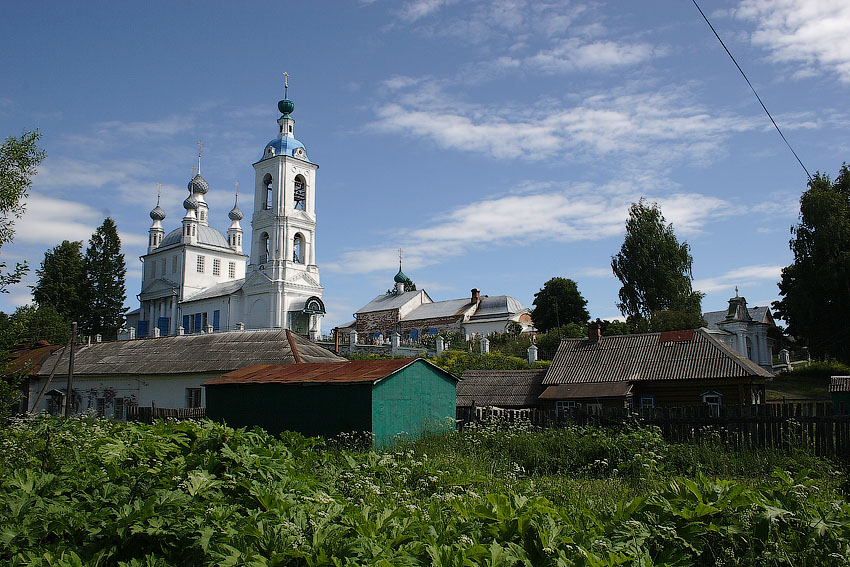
<point x="197" y="280"/>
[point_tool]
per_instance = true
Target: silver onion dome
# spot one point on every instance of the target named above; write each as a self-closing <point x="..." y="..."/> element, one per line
<point x="235" y="214"/>
<point x="157" y="214"/>
<point x="199" y="185"/>
<point x="190" y="203"/>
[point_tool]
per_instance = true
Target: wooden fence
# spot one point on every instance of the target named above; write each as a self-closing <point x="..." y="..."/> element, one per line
<point x="147" y="414"/>
<point x="821" y="428"/>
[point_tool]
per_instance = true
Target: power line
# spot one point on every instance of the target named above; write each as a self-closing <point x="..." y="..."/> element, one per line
<point x="775" y="125"/>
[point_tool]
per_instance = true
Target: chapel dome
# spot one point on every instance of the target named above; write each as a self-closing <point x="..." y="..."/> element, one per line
<point x="235" y="214"/>
<point x="286" y="106"/>
<point x="284" y="145"/>
<point x="157" y="214"/>
<point x="190" y="203"/>
<point x="400" y="277"/>
<point x="199" y="185"/>
<point x="206" y="235"/>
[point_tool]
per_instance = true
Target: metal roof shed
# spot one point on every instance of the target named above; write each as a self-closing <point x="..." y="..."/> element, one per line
<point x="383" y="397"/>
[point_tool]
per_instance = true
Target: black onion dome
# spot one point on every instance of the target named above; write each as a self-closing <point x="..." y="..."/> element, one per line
<point x="199" y="185"/>
<point x="157" y="214"/>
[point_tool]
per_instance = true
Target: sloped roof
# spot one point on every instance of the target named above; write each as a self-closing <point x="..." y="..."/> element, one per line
<point x="29" y="357"/>
<point x="214" y="352"/>
<point x="450" y="308"/>
<point x="388" y="301"/>
<point x="497" y="307"/>
<point x="839" y="384"/>
<point x="219" y="289"/>
<point x="675" y="355"/>
<point x="587" y="390"/>
<point x="502" y="388"/>
<point x="757" y="314"/>
<point x="347" y="372"/>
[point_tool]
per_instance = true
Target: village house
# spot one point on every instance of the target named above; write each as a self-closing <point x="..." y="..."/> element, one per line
<point x="166" y="371"/>
<point x="384" y="398"/>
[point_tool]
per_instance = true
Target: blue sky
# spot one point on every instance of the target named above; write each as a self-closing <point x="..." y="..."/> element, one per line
<point x="499" y="143"/>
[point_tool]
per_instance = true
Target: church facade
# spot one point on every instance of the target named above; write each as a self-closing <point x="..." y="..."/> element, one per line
<point x="197" y="280"/>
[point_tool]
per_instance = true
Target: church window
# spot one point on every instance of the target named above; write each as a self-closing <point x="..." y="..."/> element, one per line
<point x="749" y="348"/>
<point x="203" y="214"/>
<point x="264" y="248"/>
<point x="174" y="264"/>
<point x="162" y="266"/>
<point x="231" y="269"/>
<point x="216" y="267"/>
<point x="153" y="268"/>
<point x="300" y="193"/>
<point x="239" y="240"/>
<point x="200" y="264"/>
<point x="267" y="182"/>
<point x="298" y="249"/>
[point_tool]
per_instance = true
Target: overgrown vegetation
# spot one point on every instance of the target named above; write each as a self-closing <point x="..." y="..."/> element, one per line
<point x="93" y="492"/>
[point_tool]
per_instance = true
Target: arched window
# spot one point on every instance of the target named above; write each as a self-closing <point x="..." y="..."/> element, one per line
<point x="267" y="182"/>
<point x="298" y="249"/>
<point x="300" y="193"/>
<point x="264" y="248"/>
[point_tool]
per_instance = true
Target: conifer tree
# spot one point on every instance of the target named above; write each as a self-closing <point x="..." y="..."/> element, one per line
<point x="105" y="294"/>
<point x="61" y="281"/>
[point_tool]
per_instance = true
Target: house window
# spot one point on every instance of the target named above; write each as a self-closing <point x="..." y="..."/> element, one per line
<point x="565" y="408"/>
<point x="100" y="406"/>
<point x="594" y="408"/>
<point x="647" y="402"/>
<point x="193" y="397"/>
<point x="216" y="267"/>
<point x="119" y="409"/>
<point x="713" y="400"/>
<point x="200" y="265"/>
<point x="174" y="264"/>
<point x="231" y="269"/>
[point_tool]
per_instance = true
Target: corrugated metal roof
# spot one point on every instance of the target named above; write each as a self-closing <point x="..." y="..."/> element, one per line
<point x="348" y="372"/>
<point x="497" y="306"/>
<point x="214" y="352"/>
<point x="29" y="357"/>
<point x="223" y="288"/>
<point x="757" y="314"/>
<point x="839" y="384"/>
<point x="587" y="390"/>
<point x="449" y="308"/>
<point x="644" y="357"/>
<point x="502" y="388"/>
<point x="389" y="301"/>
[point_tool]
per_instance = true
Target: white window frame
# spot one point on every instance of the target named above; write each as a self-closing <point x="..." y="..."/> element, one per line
<point x="231" y="269"/>
<point x="561" y="406"/>
<point x="193" y="397"/>
<point x="216" y="267"/>
<point x="714" y="400"/>
<point x="200" y="265"/>
<point x="646" y="401"/>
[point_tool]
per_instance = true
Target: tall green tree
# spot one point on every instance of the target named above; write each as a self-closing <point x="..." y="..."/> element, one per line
<point x="655" y="270"/>
<point x="31" y="323"/>
<point x="105" y="292"/>
<point x="19" y="158"/>
<point x="558" y="302"/>
<point x="61" y="281"/>
<point x="815" y="289"/>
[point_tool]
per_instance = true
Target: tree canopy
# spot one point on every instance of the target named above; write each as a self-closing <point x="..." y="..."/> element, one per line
<point x="815" y="289"/>
<point x="655" y="270"/>
<point x="61" y="281"/>
<point x="559" y="302"/>
<point x="19" y="158"/>
<point x="104" y="291"/>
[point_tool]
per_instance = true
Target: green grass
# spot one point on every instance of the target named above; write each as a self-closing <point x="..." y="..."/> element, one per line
<point x="806" y="382"/>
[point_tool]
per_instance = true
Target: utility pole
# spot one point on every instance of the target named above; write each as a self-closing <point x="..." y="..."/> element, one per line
<point x="69" y="393"/>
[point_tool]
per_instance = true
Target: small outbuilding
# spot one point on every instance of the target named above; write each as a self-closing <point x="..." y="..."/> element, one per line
<point x="386" y="398"/>
<point x="839" y="389"/>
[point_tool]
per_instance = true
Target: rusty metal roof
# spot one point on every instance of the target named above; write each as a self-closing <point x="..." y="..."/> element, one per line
<point x="214" y="352"/>
<point x="839" y="384"/>
<point x="29" y="358"/>
<point x="348" y="372"/>
<point x="675" y="355"/>
<point x="502" y="388"/>
<point x="587" y="390"/>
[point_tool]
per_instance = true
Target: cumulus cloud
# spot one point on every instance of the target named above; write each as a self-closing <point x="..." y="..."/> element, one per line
<point x="811" y="33"/>
<point x="574" y="53"/>
<point x="741" y="277"/>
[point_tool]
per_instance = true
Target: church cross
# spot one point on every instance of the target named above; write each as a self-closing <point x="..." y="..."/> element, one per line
<point x="158" y="192"/>
<point x="285" y="83"/>
<point x="200" y="151"/>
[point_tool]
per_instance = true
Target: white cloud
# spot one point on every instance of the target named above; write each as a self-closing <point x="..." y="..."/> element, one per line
<point x="812" y="33"/>
<point x="591" y="272"/>
<point x="573" y="53"/>
<point x="419" y="9"/>
<point x="48" y="221"/>
<point x="741" y="277"/>
<point x="168" y="126"/>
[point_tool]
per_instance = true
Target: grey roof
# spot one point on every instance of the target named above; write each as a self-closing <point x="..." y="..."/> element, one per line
<point x="587" y="390"/>
<point x="389" y="301"/>
<point x="757" y="314"/>
<point x="214" y="352"/>
<point x="501" y="388"/>
<point x="673" y="355"/>
<point x="206" y="235"/>
<point x="497" y="307"/>
<point x="219" y="289"/>
<point x="437" y="309"/>
<point x="839" y="384"/>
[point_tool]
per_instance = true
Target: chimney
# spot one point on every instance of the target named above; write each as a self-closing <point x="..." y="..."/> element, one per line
<point x="476" y="296"/>
<point x="594" y="332"/>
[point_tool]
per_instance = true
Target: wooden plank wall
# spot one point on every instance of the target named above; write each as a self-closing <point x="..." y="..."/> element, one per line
<point x="147" y="414"/>
<point x="822" y="428"/>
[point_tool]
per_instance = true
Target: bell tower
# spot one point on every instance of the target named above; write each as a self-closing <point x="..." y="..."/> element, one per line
<point x="283" y="228"/>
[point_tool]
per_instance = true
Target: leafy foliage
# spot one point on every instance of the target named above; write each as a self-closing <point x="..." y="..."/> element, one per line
<point x="19" y="158"/>
<point x="559" y="302"/>
<point x="104" y="291"/>
<point x="92" y="492"/>
<point x="30" y="324"/>
<point x="815" y="289"/>
<point x="61" y="281"/>
<point x="655" y="270"/>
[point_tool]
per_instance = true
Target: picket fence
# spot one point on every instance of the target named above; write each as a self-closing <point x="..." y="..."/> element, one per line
<point x="822" y="428"/>
<point x="147" y="414"/>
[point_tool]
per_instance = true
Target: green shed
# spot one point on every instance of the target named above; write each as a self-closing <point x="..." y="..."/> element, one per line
<point x="839" y="389"/>
<point x="383" y="397"/>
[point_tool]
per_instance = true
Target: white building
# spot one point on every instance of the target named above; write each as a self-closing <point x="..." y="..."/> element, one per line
<point x="196" y="279"/>
<point x="744" y="330"/>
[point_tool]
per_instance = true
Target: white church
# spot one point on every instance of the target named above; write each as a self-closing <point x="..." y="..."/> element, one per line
<point x="197" y="280"/>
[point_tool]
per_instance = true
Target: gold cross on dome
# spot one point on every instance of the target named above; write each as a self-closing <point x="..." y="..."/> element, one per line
<point x="158" y="192"/>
